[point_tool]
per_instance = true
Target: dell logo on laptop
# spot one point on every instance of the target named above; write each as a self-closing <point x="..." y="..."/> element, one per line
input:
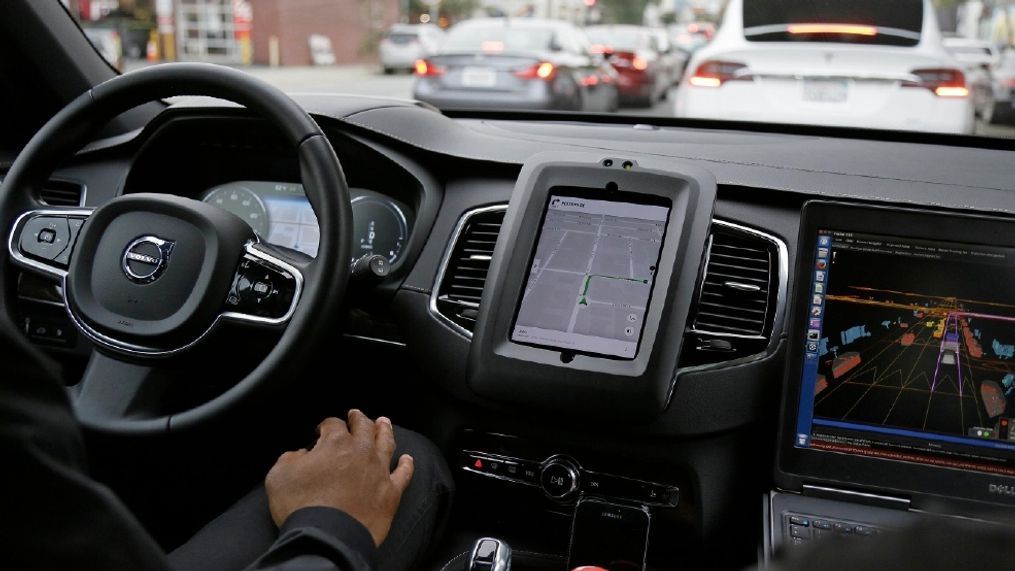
<point x="1002" y="489"/>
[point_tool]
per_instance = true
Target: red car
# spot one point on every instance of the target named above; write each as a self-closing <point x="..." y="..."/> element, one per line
<point x="644" y="76"/>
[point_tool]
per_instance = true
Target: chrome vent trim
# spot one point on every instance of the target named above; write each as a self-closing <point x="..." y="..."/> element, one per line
<point x="736" y="270"/>
<point x="481" y="254"/>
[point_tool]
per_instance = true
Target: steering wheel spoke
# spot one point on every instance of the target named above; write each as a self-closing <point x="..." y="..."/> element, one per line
<point x="42" y="241"/>
<point x="113" y="393"/>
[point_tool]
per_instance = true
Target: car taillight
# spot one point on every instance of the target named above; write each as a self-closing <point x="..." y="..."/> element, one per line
<point x="426" y="68"/>
<point x="943" y="82"/>
<point x="629" y="60"/>
<point x="714" y="73"/>
<point x="542" y="70"/>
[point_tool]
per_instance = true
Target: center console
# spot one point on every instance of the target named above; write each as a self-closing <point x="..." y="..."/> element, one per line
<point x="582" y="316"/>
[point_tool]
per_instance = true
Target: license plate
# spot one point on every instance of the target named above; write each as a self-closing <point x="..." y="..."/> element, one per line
<point x="826" y="90"/>
<point x="479" y="77"/>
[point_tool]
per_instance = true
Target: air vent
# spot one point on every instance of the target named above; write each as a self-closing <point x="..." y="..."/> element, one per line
<point x="459" y="287"/>
<point x="738" y="296"/>
<point x="62" y="193"/>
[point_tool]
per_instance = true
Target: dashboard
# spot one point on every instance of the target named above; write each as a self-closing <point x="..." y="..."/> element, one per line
<point x="636" y="323"/>
<point x="281" y="214"/>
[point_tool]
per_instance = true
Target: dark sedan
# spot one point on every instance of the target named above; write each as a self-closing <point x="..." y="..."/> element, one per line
<point x="516" y="64"/>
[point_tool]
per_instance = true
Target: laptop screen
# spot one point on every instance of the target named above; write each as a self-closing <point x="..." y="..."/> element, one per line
<point x="910" y="351"/>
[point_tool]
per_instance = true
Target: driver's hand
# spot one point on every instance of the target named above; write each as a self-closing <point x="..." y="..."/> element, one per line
<point x="347" y="469"/>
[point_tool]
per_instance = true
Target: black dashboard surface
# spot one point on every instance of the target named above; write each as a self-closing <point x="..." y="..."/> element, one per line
<point x="451" y="166"/>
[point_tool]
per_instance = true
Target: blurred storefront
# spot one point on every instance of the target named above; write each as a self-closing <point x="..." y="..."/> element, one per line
<point x="283" y="30"/>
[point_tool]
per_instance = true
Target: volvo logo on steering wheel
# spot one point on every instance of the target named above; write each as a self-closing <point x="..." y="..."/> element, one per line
<point x="146" y="258"/>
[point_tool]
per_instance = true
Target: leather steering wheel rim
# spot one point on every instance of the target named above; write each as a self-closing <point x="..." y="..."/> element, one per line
<point x="324" y="279"/>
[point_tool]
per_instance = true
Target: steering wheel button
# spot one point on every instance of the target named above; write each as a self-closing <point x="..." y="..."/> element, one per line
<point x="45" y="237"/>
<point x="262" y="288"/>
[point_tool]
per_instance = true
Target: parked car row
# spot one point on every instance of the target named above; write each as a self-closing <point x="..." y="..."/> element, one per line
<point x="522" y="63"/>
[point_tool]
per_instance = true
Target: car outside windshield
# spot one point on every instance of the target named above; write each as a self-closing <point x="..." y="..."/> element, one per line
<point x="935" y="66"/>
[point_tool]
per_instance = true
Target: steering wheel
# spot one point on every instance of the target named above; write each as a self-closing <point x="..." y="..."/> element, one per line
<point x="146" y="277"/>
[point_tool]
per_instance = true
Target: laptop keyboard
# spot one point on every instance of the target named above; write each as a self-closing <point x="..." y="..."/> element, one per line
<point x="799" y="529"/>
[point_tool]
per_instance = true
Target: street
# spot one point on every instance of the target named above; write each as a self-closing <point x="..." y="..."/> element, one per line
<point x="368" y="80"/>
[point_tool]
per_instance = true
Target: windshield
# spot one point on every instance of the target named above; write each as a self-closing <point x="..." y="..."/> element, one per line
<point x="939" y="66"/>
<point x="498" y="36"/>
<point x="620" y="39"/>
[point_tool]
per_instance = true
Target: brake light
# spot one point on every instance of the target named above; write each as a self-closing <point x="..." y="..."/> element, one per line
<point x="943" y="82"/>
<point x="850" y="29"/>
<point x="714" y="73"/>
<point x="605" y="49"/>
<point x="425" y="68"/>
<point x="542" y="70"/>
<point x="945" y="91"/>
<point x="629" y="60"/>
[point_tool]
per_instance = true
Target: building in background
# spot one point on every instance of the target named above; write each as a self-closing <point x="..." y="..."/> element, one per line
<point x="211" y="30"/>
<point x="281" y="29"/>
<point x="239" y="32"/>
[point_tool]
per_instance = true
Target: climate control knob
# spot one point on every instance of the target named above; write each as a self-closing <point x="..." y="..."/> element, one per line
<point x="559" y="478"/>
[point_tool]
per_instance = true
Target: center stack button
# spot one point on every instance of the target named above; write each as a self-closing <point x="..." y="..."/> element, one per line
<point x="559" y="477"/>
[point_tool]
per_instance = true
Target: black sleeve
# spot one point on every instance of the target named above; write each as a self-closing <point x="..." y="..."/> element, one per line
<point x="319" y="539"/>
<point x="54" y="515"/>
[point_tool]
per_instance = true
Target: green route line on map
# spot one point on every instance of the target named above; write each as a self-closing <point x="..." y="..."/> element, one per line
<point x="588" y="280"/>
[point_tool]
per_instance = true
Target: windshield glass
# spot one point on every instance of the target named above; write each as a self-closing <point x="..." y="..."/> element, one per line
<point x="498" y="36"/>
<point x="620" y="39"/>
<point x="941" y="66"/>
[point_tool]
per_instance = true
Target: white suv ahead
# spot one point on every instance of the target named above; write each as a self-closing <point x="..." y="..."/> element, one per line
<point x="851" y="63"/>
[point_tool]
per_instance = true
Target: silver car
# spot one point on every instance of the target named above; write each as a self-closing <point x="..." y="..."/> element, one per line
<point x="517" y="64"/>
<point x="404" y="44"/>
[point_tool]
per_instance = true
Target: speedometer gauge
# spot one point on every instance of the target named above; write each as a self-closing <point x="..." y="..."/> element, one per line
<point x="380" y="228"/>
<point x="242" y="202"/>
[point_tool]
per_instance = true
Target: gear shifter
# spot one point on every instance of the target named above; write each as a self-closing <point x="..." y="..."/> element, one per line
<point x="489" y="554"/>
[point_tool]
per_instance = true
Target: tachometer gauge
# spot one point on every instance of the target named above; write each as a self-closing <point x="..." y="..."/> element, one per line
<point x="242" y="202"/>
<point x="379" y="227"/>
